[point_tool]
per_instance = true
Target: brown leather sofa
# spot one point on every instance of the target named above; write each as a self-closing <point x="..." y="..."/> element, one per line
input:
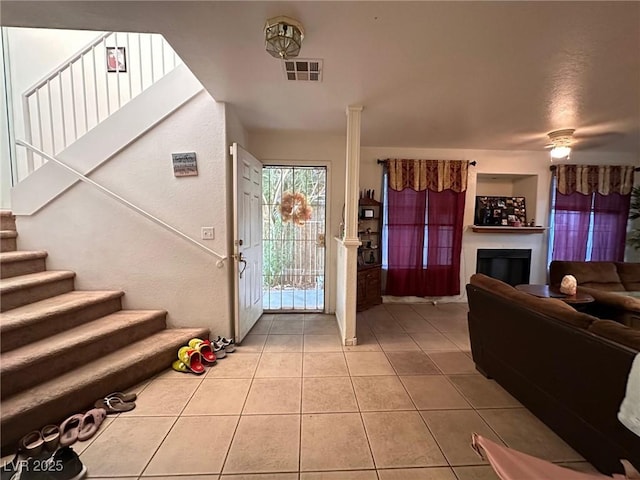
<point x="605" y="276"/>
<point x="600" y="280"/>
<point x="568" y="368"/>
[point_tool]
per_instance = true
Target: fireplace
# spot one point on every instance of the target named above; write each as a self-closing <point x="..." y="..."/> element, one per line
<point x="512" y="266"/>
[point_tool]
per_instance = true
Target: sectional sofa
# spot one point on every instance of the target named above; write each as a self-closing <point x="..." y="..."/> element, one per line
<point x="569" y="368"/>
<point x="614" y="285"/>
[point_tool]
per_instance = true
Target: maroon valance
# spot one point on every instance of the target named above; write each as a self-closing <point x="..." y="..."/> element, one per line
<point x="602" y="179"/>
<point x="434" y="175"/>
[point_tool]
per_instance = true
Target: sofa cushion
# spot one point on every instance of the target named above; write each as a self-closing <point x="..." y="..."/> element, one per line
<point x="557" y="303"/>
<point x="600" y="275"/>
<point x="629" y="274"/>
<point x="549" y="306"/>
<point x="613" y="300"/>
<point x="617" y="332"/>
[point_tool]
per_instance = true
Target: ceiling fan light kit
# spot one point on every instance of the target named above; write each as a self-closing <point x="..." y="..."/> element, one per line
<point x="283" y="37"/>
<point x="561" y="141"/>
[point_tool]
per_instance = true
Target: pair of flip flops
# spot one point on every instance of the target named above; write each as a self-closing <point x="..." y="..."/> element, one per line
<point x="117" y="402"/>
<point x="81" y="426"/>
<point x="34" y="443"/>
<point x="191" y="358"/>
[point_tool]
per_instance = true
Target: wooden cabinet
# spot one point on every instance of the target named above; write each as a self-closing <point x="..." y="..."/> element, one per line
<point x="369" y="286"/>
<point x="369" y="254"/>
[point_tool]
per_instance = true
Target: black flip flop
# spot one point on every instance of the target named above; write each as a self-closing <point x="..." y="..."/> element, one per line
<point x="125" y="397"/>
<point x="114" y="405"/>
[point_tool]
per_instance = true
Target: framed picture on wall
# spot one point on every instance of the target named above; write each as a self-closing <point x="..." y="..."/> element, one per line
<point x="368" y="213"/>
<point x="116" y="59"/>
<point x="494" y="211"/>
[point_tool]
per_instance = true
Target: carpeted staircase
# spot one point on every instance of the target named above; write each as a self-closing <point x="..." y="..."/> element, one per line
<point x="61" y="349"/>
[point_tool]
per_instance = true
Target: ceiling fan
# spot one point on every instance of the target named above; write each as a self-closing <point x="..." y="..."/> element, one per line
<point x="561" y="142"/>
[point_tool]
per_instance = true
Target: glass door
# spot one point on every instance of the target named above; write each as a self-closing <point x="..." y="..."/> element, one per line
<point x="293" y="247"/>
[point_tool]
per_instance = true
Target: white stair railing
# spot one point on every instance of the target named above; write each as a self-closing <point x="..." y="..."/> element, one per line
<point x="89" y="87"/>
<point x="123" y="201"/>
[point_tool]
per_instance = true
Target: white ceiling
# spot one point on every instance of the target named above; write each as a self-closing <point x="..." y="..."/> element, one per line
<point x="494" y="75"/>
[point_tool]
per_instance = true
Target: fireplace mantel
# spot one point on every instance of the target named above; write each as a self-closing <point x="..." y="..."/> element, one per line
<point x="510" y="230"/>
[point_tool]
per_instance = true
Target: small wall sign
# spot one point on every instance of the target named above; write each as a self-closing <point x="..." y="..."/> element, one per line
<point x="184" y="164"/>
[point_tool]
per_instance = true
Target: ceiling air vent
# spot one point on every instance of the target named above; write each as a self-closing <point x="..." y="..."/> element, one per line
<point x="301" y="69"/>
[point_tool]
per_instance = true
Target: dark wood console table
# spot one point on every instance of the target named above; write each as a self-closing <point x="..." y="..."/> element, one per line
<point x="546" y="291"/>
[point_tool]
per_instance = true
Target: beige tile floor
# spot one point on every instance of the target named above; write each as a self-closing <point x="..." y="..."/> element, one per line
<point x="292" y="403"/>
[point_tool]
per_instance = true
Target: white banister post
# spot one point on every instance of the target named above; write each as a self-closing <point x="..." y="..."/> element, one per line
<point x="348" y="251"/>
<point x="26" y="114"/>
<point x="352" y="173"/>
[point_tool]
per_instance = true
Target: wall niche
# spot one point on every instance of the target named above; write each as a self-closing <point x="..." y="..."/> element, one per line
<point x="510" y="185"/>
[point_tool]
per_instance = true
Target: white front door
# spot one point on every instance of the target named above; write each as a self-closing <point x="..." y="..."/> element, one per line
<point x="247" y="220"/>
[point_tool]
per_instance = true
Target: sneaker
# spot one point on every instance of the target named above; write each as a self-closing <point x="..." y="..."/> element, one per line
<point x="63" y="464"/>
<point x="13" y="468"/>
<point x="229" y="344"/>
<point x="218" y="349"/>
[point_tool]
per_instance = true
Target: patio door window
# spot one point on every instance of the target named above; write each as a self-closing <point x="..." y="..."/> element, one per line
<point x="293" y="214"/>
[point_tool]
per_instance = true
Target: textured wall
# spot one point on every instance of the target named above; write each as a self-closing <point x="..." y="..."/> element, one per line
<point x="111" y="247"/>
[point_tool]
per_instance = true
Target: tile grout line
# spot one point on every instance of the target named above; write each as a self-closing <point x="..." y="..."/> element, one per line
<point x="458" y="390"/>
<point x="376" y="337"/>
<point x="301" y="400"/>
<point x="101" y="431"/>
<point x="172" y="425"/>
<point x="364" y="427"/>
<point x="235" y="430"/>
<point x="417" y="410"/>
<point x="424" y="421"/>
<point x="473" y="407"/>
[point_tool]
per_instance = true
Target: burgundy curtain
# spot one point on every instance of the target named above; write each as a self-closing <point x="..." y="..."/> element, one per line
<point x="592" y="201"/>
<point x="571" y="226"/>
<point x="405" y="233"/>
<point x="609" y="226"/>
<point x="444" y="245"/>
<point x="425" y="242"/>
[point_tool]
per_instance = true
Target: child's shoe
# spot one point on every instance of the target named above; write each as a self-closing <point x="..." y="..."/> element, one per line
<point x="219" y="349"/>
<point x="228" y="344"/>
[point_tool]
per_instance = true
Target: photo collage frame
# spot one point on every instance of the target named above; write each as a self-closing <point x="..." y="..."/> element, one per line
<point x="500" y="211"/>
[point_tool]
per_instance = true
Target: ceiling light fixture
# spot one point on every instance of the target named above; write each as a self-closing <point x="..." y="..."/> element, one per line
<point x="283" y="37"/>
<point x="561" y="141"/>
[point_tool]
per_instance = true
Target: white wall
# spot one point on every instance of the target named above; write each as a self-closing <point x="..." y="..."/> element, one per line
<point x="490" y="161"/>
<point x="235" y="130"/>
<point x="296" y="148"/>
<point x="112" y="247"/>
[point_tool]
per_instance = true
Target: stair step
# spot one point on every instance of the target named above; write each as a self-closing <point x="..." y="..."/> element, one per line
<point x="17" y="263"/>
<point x="72" y="392"/>
<point x="36" y="362"/>
<point x="18" y="291"/>
<point x="8" y="240"/>
<point x="32" y="322"/>
<point x="7" y="220"/>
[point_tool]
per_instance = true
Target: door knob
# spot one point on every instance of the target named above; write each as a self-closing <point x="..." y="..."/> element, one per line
<point x="244" y="263"/>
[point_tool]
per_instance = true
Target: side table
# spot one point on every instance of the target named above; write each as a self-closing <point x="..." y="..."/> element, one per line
<point x="547" y="291"/>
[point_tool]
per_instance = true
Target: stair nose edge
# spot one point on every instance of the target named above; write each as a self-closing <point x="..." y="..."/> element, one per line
<point x="48" y="320"/>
